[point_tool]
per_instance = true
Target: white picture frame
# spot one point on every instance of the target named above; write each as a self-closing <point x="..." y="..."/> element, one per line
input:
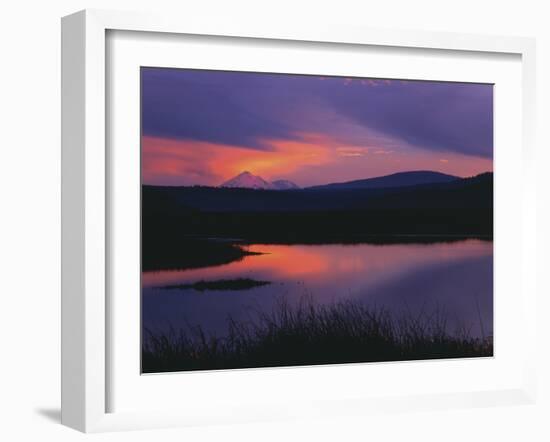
<point x="86" y="204"/>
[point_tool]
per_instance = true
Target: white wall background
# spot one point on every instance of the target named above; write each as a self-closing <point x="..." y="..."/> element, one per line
<point x="30" y="216"/>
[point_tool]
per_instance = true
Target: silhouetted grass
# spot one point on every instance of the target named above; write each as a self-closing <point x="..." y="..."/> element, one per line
<point x="308" y="334"/>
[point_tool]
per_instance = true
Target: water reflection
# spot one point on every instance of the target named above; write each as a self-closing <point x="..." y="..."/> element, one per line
<point x="456" y="278"/>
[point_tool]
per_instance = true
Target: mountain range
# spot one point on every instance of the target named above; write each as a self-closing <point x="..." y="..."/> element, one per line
<point x="247" y="180"/>
<point x="408" y="190"/>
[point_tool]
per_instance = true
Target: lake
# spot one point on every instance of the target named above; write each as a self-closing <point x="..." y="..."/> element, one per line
<point x="452" y="278"/>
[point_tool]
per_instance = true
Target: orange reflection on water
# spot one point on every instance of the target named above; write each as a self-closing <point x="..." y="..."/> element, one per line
<point x="285" y="261"/>
<point x="280" y="261"/>
<point x="321" y="263"/>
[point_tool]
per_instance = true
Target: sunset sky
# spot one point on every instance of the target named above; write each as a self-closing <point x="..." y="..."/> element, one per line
<point x="204" y="127"/>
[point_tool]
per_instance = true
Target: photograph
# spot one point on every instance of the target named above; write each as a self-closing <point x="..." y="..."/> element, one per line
<point x="300" y="220"/>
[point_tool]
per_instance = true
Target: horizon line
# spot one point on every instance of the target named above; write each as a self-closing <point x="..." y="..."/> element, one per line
<point x="319" y="185"/>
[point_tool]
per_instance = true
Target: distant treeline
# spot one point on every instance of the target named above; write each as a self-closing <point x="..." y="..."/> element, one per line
<point x="324" y="226"/>
<point x="468" y="193"/>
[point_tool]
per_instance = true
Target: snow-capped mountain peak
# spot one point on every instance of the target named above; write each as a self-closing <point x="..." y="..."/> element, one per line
<point x="247" y="180"/>
<point x="284" y="185"/>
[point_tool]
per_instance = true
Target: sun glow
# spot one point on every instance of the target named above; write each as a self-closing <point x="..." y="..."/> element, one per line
<point x="308" y="159"/>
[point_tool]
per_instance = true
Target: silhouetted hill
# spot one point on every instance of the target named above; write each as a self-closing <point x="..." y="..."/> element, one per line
<point x="400" y="179"/>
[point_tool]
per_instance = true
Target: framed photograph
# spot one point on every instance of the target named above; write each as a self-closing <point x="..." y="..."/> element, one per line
<point x="262" y="222"/>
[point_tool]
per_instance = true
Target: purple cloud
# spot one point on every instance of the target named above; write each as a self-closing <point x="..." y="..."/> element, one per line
<point x="245" y="109"/>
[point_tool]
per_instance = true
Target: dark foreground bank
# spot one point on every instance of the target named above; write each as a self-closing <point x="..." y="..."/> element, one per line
<point x="308" y="334"/>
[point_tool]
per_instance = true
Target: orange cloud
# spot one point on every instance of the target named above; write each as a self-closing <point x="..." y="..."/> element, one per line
<point x="309" y="159"/>
<point x="185" y="162"/>
<point x="352" y="151"/>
